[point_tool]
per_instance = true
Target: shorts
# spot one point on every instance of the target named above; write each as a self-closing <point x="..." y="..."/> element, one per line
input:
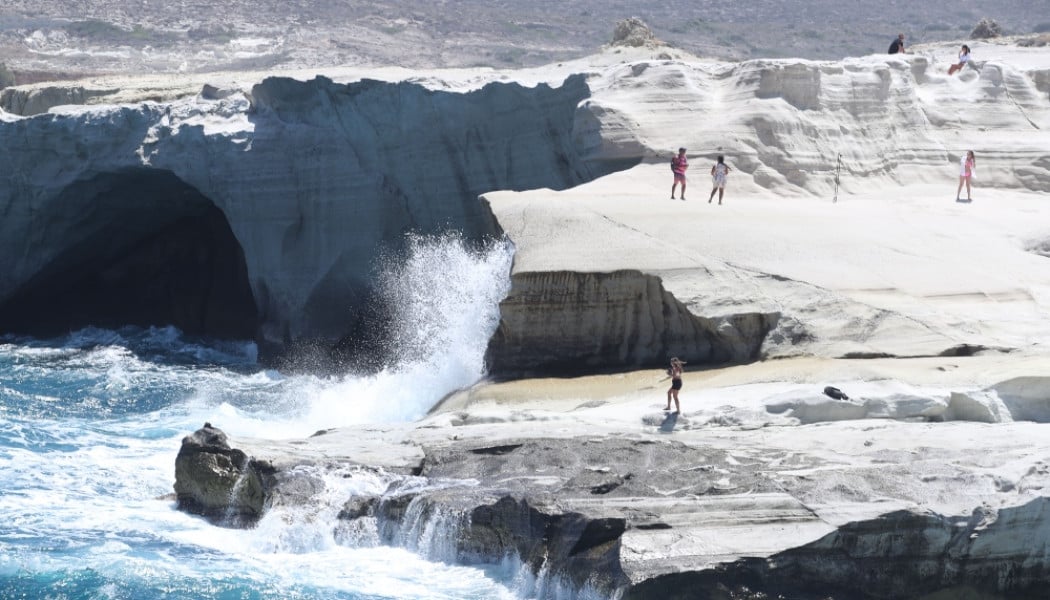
<point x="676" y="384"/>
<point x="679" y="177"/>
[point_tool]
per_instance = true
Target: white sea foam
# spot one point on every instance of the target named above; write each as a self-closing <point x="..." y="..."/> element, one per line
<point x="446" y="298"/>
<point x="91" y="424"/>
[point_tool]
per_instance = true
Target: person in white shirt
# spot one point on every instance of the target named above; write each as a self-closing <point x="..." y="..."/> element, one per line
<point x="967" y="167"/>
<point x="719" y="173"/>
<point x="964" y="57"/>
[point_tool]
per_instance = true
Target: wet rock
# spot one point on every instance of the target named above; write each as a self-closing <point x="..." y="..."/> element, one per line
<point x="836" y="393"/>
<point x="669" y="520"/>
<point x="217" y="481"/>
<point x="910" y="554"/>
<point x="357" y="507"/>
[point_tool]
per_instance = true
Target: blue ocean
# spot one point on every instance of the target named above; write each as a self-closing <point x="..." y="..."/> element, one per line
<point x="91" y="422"/>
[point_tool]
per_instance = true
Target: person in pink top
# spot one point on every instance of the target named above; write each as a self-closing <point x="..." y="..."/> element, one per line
<point x="967" y="168"/>
<point x="678" y="166"/>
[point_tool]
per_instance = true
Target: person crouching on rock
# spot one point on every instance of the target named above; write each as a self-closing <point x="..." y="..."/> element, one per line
<point x="676" y="384"/>
<point x="897" y="46"/>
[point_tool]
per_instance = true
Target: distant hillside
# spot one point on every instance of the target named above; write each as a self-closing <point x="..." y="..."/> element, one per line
<point x="94" y="36"/>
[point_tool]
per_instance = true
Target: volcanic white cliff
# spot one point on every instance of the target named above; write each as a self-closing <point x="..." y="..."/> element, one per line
<point x="891" y="269"/>
<point x="311" y="180"/>
<point x="929" y="480"/>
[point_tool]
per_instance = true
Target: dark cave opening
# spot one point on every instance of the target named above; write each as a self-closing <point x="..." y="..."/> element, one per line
<point x="142" y="248"/>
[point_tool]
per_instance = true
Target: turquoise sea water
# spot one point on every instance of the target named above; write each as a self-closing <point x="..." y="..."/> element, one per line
<point x="90" y="424"/>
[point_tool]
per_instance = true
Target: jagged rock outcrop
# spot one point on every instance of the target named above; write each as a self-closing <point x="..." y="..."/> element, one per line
<point x="233" y="487"/>
<point x="986" y="28"/>
<point x="217" y="481"/>
<point x="902" y="554"/>
<point x="633" y="32"/>
<point x="572" y="322"/>
<point x="643" y="517"/>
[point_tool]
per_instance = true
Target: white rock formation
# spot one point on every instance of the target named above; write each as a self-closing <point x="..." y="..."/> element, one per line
<point x="314" y="179"/>
<point x="894" y="267"/>
<point x="586" y="481"/>
<point x="934" y="317"/>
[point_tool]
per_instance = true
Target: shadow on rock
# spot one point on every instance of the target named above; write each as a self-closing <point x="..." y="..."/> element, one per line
<point x="670" y="420"/>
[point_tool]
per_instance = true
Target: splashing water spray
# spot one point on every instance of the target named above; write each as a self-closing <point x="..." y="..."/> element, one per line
<point x="443" y="296"/>
<point x="445" y="299"/>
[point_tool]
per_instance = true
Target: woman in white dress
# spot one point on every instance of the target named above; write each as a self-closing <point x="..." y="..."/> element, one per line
<point x="719" y="172"/>
<point x="967" y="166"/>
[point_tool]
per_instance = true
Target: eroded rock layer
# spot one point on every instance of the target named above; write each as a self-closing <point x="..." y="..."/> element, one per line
<point x="575" y="322"/>
<point x="315" y="179"/>
<point x="638" y="517"/>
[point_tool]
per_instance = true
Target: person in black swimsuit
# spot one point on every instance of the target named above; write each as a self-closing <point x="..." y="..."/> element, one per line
<point x="676" y="384"/>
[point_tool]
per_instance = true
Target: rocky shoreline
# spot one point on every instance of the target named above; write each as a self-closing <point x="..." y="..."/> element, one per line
<point x="838" y="259"/>
<point x="610" y="497"/>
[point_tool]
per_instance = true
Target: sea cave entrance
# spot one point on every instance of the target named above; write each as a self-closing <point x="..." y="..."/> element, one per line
<point x="134" y="247"/>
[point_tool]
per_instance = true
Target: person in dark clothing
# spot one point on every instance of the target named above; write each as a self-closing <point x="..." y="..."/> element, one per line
<point x="675" y="371"/>
<point x="897" y="47"/>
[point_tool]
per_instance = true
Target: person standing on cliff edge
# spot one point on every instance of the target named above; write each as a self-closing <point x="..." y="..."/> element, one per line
<point x="678" y="166"/>
<point x="675" y="371"/>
